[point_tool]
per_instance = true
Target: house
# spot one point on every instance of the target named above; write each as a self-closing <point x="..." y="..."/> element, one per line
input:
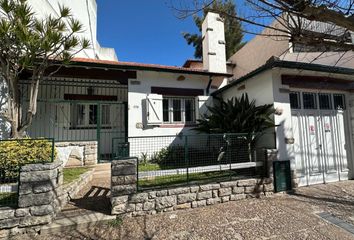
<point x="311" y="90"/>
<point x="96" y="103"/>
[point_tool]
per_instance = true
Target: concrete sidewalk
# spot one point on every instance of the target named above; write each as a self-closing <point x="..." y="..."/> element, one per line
<point x="277" y="217"/>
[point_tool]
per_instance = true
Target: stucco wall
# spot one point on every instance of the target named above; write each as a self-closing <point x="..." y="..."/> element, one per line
<point x="82" y="10"/>
<point x="260" y="88"/>
<point x="137" y="92"/>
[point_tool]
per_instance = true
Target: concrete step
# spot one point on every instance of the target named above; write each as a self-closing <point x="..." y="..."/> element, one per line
<point x="75" y="220"/>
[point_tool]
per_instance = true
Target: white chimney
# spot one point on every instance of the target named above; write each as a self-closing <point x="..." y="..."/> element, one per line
<point x="214" y="54"/>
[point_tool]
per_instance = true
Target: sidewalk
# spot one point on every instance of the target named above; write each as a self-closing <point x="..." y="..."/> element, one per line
<point x="277" y="217"/>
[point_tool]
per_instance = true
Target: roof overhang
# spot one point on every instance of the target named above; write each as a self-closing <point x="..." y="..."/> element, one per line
<point x="118" y="65"/>
<point x="276" y="63"/>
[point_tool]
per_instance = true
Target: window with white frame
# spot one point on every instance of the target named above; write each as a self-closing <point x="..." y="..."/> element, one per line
<point x="178" y="109"/>
<point x="86" y="115"/>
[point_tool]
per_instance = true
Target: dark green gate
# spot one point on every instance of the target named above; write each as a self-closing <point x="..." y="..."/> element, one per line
<point x="74" y="121"/>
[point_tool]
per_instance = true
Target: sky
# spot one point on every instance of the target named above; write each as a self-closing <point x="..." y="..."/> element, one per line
<point x="145" y="31"/>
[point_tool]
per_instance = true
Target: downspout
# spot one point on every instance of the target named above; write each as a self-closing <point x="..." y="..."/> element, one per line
<point x="207" y="90"/>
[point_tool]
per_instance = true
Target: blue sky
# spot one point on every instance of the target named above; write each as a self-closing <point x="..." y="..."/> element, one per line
<point x="144" y="31"/>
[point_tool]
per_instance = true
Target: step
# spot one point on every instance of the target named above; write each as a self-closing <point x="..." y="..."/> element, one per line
<point x="75" y="220"/>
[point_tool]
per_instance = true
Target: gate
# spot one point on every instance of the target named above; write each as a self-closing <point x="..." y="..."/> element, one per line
<point x="319" y="128"/>
<point x="72" y="121"/>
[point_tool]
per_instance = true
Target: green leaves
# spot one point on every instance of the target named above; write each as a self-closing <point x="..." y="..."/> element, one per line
<point x="30" y="44"/>
<point x="238" y="115"/>
<point x="27" y="39"/>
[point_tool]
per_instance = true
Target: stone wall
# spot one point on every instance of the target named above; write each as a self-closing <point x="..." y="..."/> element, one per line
<point x="77" y="153"/>
<point x="38" y="201"/>
<point x="126" y="200"/>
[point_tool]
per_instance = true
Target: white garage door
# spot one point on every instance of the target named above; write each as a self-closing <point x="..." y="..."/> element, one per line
<point x="319" y="128"/>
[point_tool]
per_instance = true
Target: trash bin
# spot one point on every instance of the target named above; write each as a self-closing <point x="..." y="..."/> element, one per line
<point x="282" y="176"/>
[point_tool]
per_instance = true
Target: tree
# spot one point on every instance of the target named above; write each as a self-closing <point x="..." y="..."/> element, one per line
<point x="238" y="115"/>
<point x="32" y="45"/>
<point x="295" y="20"/>
<point x="233" y="28"/>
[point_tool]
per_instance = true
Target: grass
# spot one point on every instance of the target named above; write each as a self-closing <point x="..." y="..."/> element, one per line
<point x="8" y="199"/>
<point x="143" y="167"/>
<point x="71" y="174"/>
<point x="115" y="222"/>
<point x="182" y="178"/>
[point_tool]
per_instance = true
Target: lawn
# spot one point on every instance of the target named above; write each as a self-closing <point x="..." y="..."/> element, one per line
<point x="182" y="178"/>
<point x="8" y="199"/>
<point x="71" y="174"/>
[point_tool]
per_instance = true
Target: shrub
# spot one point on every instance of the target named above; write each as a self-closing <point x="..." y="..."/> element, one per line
<point x="15" y="153"/>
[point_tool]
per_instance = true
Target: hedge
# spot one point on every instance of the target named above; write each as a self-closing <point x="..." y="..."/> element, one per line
<point x="15" y="153"/>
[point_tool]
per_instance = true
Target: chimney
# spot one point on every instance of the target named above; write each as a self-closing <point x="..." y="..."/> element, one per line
<point x="214" y="55"/>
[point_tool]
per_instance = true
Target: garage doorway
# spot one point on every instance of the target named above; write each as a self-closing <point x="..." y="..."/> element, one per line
<point x="319" y="124"/>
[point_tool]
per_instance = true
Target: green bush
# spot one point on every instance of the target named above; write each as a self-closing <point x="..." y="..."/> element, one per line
<point x="15" y="153"/>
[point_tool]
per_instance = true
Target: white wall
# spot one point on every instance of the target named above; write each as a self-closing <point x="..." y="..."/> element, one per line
<point x="284" y="130"/>
<point x="214" y="53"/>
<point x="86" y="12"/>
<point x="260" y="88"/>
<point x="138" y="93"/>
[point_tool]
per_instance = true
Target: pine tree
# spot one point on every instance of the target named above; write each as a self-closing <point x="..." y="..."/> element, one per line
<point x="233" y="28"/>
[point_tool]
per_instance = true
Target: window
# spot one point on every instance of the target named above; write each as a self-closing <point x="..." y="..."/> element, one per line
<point x="309" y="100"/>
<point x="339" y="101"/>
<point x="86" y="115"/>
<point x="294" y="100"/>
<point x="178" y="110"/>
<point x="324" y="101"/>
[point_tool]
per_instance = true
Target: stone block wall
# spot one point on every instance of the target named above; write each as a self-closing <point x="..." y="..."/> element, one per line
<point x="38" y="201"/>
<point x="126" y="200"/>
<point x="77" y="153"/>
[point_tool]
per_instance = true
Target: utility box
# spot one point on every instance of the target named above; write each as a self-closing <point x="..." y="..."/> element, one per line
<point x="282" y="176"/>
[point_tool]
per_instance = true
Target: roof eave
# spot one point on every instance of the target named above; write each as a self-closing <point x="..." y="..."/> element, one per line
<point x="273" y="63"/>
<point x="146" y="68"/>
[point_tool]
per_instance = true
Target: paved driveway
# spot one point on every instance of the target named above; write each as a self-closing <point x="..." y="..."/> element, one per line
<point x="277" y="217"/>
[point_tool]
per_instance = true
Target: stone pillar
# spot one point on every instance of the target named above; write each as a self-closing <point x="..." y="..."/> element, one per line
<point x="38" y="197"/>
<point x="123" y="184"/>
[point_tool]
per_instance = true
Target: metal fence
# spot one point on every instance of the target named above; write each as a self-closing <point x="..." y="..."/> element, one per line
<point x="15" y="153"/>
<point x="184" y="159"/>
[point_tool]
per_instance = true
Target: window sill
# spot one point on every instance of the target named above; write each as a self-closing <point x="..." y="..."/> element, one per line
<point x="177" y="125"/>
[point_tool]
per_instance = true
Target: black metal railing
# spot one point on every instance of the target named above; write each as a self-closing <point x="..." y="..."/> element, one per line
<point x="15" y="153"/>
<point x="185" y="159"/>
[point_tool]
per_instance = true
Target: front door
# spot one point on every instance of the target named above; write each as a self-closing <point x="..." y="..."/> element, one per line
<point x="318" y="122"/>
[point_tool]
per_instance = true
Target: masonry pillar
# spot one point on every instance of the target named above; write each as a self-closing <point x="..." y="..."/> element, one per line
<point x="38" y="197"/>
<point x="123" y="183"/>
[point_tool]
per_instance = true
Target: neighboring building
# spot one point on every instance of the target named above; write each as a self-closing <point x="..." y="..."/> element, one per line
<point x="264" y="46"/>
<point x="311" y="91"/>
<point x="84" y="11"/>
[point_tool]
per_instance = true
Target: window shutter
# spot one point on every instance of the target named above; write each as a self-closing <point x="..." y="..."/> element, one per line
<point x="154" y="109"/>
<point x="63" y="115"/>
<point x="201" y="105"/>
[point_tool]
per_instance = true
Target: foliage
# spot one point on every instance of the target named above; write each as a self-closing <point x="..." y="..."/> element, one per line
<point x="171" y="155"/>
<point x="238" y="115"/>
<point x="8" y="199"/>
<point x="233" y="28"/>
<point x="32" y="45"/>
<point x="16" y="153"/>
<point x="71" y="174"/>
